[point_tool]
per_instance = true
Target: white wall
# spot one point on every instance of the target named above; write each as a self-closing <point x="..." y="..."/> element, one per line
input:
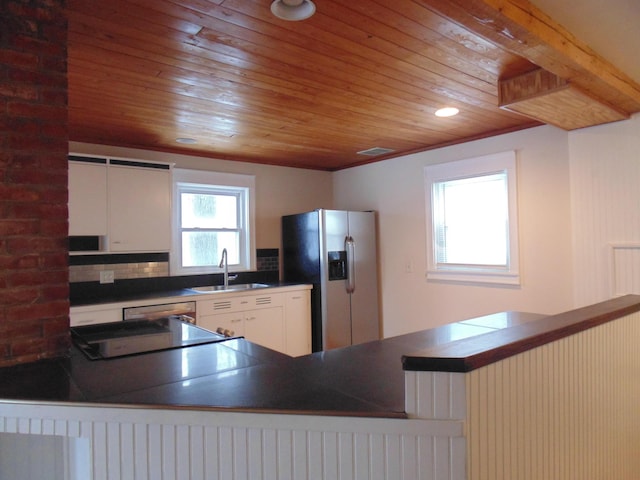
<point x="578" y="192"/>
<point x="279" y="190"/>
<point x="395" y="189"/>
<point x="605" y="184"/>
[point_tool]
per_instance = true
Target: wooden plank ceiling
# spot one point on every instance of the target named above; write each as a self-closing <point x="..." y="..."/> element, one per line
<point x="358" y="74"/>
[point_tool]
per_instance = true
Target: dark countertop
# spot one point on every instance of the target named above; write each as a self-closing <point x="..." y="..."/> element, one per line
<point x="469" y="354"/>
<point x="127" y="297"/>
<point x="361" y="380"/>
<point x="122" y="295"/>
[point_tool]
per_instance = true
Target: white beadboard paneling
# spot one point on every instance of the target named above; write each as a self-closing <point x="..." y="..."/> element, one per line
<point x="285" y="456"/>
<point x="99" y="450"/>
<point x="315" y="462"/>
<point x="624" y="269"/>
<point x="141" y="444"/>
<point x="566" y="410"/>
<point x="435" y="395"/>
<point x="410" y="448"/>
<point x="196" y="451"/>
<point x="605" y="174"/>
<point x="458" y="451"/>
<point x="240" y="455"/>
<point x="376" y="457"/>
<point x="269" y="452"/>
<point x="425" y="466"/>
<point x="225" y="453"/>
<point x="362" y="457"/>
<point x="301" y="459"/>
<point x="113" y="440"/>
<point x="183" y="451"/>
<point x="153" y="453"/>
<point x="329" y="447"/>
<point x="211" y="452"/>
<point x="345" y="455"/>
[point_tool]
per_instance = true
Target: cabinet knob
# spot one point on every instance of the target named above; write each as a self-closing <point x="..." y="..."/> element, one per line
<point x="226" y="332"/>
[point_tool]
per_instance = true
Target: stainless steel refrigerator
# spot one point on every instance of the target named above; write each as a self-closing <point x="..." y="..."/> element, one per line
<point x="335" y="251"/>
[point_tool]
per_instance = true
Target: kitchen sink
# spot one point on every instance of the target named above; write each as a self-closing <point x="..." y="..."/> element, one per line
<point x="234" y="287"/>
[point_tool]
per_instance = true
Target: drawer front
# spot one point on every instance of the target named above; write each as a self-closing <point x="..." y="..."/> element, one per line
<point x="239" y="303"/>
<point x="97" y="316"/>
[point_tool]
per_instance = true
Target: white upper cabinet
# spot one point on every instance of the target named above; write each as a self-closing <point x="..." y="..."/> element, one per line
<point x="88" y="197"/>
<point x="124" y="203"/>
<point x="139" y="209"/>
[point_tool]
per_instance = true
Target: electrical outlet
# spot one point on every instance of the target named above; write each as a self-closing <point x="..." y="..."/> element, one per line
<point x="408" y="266"/>
<point x="107" y="276"/>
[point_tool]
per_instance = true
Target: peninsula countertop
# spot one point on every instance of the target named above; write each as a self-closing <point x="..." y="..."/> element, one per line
<point x="237" y="375"/>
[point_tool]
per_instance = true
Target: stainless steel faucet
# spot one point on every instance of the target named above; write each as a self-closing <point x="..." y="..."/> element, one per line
<point x="225" y="262"/>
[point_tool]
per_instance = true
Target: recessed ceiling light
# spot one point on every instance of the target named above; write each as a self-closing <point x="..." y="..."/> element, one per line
<point x="186" y="140"/>
<point x="447" y="112"/>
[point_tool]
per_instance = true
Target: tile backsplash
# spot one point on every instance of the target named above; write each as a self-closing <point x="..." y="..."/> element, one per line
<point x="87" y="268"/>
<point x="267" y="259"/>
<point x="91" y="273"/>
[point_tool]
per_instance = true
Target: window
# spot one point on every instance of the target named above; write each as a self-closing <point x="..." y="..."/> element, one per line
<point x="472" y="219"/>
<point x="212" y="211"/>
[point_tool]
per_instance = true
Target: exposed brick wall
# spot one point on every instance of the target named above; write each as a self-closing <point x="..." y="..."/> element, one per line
<point x="34" y="289"/>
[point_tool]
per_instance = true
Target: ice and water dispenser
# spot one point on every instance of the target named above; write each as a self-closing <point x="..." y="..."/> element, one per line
<point x="337" y="265"/>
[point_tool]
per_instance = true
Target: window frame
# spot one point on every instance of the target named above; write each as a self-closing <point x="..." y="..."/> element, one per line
<point x="186" y="180"/>
<point x="469" y="168"/>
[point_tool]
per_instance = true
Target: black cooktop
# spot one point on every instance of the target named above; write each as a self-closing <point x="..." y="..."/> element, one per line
<point x="130" y="337"/>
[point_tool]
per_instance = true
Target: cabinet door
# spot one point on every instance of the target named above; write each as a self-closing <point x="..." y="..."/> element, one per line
<point x="228" y="321"/>
<point x="139" y="209"/>
<point x="265" y="327"/>
<point x="87" y="199"/>
<point x="298" y="323"/>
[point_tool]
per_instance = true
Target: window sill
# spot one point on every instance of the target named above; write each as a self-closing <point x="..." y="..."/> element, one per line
<point x="458" y="276"/>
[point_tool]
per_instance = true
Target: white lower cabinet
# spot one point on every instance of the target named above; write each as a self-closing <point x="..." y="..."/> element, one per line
<point x="278" y="318"/>
<point x="233" y="322"/>
<point x="280" y="321"/>
<point x="297" y="312"/>
<point x="259" y="318"/>
<point x="266" y="327"/>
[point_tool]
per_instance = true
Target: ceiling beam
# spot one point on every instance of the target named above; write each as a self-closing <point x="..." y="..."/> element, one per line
<point x="525" y="30"/>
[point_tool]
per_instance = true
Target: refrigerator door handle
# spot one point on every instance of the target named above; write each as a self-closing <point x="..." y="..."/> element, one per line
<point x="350" y="246"/>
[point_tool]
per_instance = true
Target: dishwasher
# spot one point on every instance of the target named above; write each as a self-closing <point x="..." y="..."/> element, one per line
<point x="183" y="311"/>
